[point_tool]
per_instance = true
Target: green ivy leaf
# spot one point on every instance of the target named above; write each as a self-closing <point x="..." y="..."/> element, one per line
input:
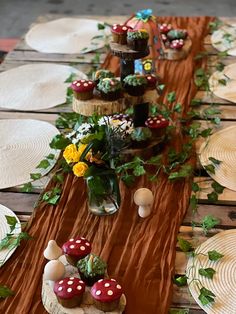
<point x="58" y="178"/>
<point x="210" y="168"/>
<point x="195" y="187"/>
<point x="222" y="82"/>
<point x="178" y="311"/>
<point x="220" y="66"/>
<point x="208" y="222"/>
<point x="180" y="281"/>
<point x="171" y="97"/>
<point x="185" y="245"/>
<point x="44" y="164"/>
<point x="207" y="272"/>
<point x="214" y="255"/>
<point x="212" y="197"/>
<point x="201" y="55"/>
<point x="128" y="179"/>
<point x="5" y="292"/>
<point x="12" y="241"/>
<point x="27" y="187"/>
<point x="215" y="161"/>
<point x="35" y="176"/>
<point x="161" y="87"/>
<point x="223" y="54"/>
<point x="71" y="78"/>
<point x="196" y="102"/>
<point x="139" y="171"/>
<point x="12" y="221"/>
<point x="205" y="133"/>
<point x="50" y="156"/>
<point x="52" y="197"/>
<point x="185" y="171"/>
<point x="217" y="187"/>
<point x="59" y="142"/>
<point x="101" y="26"/>
<point x="206" y="296"/>
<point x="216" y="120"/>
<point x="177" y="108"/>
<point x="193" y="202"/>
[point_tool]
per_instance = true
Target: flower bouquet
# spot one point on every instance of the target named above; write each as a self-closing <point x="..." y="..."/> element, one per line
<point x="94" y="153"/>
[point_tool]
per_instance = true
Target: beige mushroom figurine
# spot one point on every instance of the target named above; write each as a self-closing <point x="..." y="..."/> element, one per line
<point x="52" y="251"/>
<point x="144" y="199"/>
<point x="53" y="271"/>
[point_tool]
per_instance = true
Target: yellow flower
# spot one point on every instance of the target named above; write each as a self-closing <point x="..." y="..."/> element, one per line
<point x="80" y="168"/>
<point x="71" y="154"/>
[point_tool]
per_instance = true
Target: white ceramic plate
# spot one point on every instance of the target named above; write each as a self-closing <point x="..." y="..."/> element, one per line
<point x="224" y="281"/>
<point x="5" y="254"/>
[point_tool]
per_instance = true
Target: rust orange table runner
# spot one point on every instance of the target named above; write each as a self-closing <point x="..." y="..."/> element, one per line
<point x="140" y="252"/>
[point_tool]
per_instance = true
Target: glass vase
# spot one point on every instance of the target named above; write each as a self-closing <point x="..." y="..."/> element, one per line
<point x="103" y="194"/>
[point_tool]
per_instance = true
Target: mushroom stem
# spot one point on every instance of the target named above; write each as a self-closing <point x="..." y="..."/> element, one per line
<point x="144" y="211"/>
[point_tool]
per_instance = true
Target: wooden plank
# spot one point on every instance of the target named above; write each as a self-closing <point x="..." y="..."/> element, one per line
<point x="25" y="55"/>
<point x="208" y="98"/>
<point x="227" y="112"/>
<point x="51" y="118"/>
<point x="20" y="203"/>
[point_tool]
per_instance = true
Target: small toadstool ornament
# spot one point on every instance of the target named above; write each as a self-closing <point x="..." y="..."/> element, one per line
<point x="52" y="251"/>
<point x="53" y="271"/>
<point x="144" y="199"/>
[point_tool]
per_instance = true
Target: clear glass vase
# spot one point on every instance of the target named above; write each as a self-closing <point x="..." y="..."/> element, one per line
<point x="103" y="194"/>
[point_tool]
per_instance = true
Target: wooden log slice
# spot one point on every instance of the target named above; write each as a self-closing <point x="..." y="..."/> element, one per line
<point x="178" y="54"/>
<point x="103" y="107"/>
<point x="124" y="52"/>
<point x="52" y="306"/>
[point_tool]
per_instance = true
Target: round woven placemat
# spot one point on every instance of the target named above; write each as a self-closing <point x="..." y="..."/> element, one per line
<point x="24" y="143"/>
<point x="35" y="86"/>
<point x="221" y="146"/>
<point x="66" y="35"/>
<point x="5" y="254"/>
<point x="224" y="281"/>
<point x="225" y="39"/>
<point x="222" y="86"/>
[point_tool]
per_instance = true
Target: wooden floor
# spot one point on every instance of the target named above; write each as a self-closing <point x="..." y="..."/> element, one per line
<point x="22" y="203"/>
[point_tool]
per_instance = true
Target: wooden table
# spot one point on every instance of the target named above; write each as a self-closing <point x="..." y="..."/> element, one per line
<point x="225" y="209"/>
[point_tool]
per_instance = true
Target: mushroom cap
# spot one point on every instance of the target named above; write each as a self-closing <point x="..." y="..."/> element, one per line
<point x="143" y="197"/>
<point x="54" y="270"/>
<point x="52" y="251"/>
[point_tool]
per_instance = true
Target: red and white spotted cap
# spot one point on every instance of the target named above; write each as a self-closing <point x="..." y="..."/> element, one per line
<point x="69" y="287"/>
<point x="165" y="28"/>
<point x="77" y="247"/>
<point x="120" y="28"/>
<point x="151" y="80"/>
<point x="157" y="122"/>
<point x="177" y="44"/>
<point x="106" y="290"/>
<point x="82" y="85"/>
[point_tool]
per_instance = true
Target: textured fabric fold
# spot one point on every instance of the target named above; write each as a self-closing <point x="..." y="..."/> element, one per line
<point x="140" y="252"/>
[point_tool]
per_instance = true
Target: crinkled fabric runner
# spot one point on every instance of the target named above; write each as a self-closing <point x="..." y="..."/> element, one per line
<point x="140" y="252"/>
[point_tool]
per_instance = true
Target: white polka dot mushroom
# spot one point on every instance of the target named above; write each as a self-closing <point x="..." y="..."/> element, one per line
<point x="144" y="198"/>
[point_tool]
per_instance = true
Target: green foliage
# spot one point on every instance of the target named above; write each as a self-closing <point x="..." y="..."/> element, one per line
<point x="207" y="272"/>
<point x="184" y="171"/>
<point x="5" y="292"/>
<point x="27" y="187"/>
<point x="196" y="102"/>
<point x="180" y="281"/>
<point x="217" y="187"/>
<point x="35" y="176"/>
<point x="212" y="197"/>
<point x="68" y="120"/>
<point x="215" y="161"/>
<point x="201" y="55"/>
<point x="44" y="164"/>
<point x="206" y="296"/>
<point x="208" y="222"/>
<point x="141" y="134"/>
<point x="220" y="66"/>
<point x="171" y="97"/>
<point x="193" y="202"/>
<point x="213" y="26"/>
<point x="59" y="142"/>
<point x="71" y="78"/>
<point x="222" y="82"/>
<point x="210" y="168"/>
<point x="214" y="255"/>
<point x="201" y="79"/>
<point x="178" y="311"/>
<point x="52" y="197"/>
<point x="12" y="241"/>
<point x="185" y="245"/>
<point x="177" y="108"/>
<point x="11" y="221"/>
